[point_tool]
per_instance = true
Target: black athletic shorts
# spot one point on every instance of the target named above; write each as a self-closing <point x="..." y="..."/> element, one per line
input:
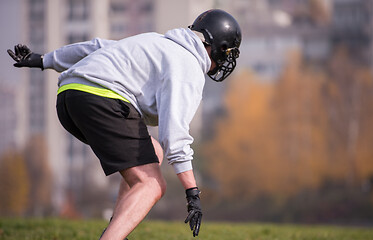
<point x="113" y="129"/>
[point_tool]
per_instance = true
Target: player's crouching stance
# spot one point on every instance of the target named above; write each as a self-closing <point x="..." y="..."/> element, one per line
<point x="109" y="91"/>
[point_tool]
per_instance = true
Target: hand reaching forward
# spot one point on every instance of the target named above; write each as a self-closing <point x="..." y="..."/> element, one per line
<point x="24" y="57"/>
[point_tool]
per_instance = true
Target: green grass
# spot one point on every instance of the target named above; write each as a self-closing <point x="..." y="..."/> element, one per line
<point x="60" y="229"/>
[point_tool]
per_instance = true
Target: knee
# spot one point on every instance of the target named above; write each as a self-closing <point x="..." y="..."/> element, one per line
<point x="148" y="178"/>
<point x="155" y="185"/>
<point x="160" y="186"/>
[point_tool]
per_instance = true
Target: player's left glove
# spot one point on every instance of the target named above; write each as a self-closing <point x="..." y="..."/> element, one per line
<point x="194" y="210"/>
<point x="24" y="57"/>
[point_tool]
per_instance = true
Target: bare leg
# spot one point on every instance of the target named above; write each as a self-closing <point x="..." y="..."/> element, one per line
<point x="158" y="150"/>
<point x="146" y="187"/>
<point x="124" y="188"/>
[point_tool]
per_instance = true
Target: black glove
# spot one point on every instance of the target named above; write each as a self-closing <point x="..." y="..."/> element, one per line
<point x="194" y="210"/>
<point x="25" y="58"/>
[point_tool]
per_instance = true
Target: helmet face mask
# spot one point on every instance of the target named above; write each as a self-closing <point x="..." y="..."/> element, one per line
<point x="222" y="32"/>
<point x="223" y="70"/>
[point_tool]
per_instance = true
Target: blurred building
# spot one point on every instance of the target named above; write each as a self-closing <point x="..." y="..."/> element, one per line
<point x="273" y="29"/>
<point x="313" y="27"/>
<point x="8" y="121"/>
<point x="352" y="26"/>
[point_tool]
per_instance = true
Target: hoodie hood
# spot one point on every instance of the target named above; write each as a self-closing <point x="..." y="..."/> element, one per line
<point x="190" y="41"/>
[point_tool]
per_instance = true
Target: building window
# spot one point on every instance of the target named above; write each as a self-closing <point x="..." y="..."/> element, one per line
<point x="36" y="101"/>
<point x="77" y="37"/>
<point x="78" y="10"/>
<point x="36" y="10"/>
<point x="146" y="8"/>
<point x="118" y="7"/>
<point x="37" y="35"/>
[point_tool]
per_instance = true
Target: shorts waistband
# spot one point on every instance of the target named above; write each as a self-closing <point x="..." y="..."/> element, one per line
<point x="103" y="92"/>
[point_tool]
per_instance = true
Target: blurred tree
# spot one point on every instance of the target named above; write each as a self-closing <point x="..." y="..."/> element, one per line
<point x="14" y="184"/>
<point x="241" y="153"/>
<point x="40" y="176"/>
<point x="300" y="126"/>
<point x="272" y="139"/>
<point x="348" y="97"/>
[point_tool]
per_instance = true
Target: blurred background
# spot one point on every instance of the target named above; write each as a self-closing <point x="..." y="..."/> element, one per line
<point x="287" y="138"/>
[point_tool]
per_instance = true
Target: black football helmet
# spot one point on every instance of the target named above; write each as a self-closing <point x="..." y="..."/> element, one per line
<point x="222" y="32"/>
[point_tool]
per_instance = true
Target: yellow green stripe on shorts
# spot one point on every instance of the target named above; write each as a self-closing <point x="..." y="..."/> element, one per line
<point x="103" y="92"/>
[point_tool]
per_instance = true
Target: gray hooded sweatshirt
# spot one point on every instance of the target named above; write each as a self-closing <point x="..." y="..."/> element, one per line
<point x="161" y="75"/>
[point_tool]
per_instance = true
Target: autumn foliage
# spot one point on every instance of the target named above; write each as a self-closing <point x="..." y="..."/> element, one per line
<point x="307" y="132"/>
<point x="26" y="181"/>
<point x="14" y="184"/>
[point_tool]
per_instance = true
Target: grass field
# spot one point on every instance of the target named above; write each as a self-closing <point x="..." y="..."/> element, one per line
<point x="59" y="229"/>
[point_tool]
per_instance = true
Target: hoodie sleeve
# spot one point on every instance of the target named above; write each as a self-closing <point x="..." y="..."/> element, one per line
<point x="66" y="56"/>
<point x="177" y="102"/>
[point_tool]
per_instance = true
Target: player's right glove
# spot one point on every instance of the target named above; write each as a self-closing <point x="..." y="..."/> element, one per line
<point x="194" y="210"/>
<point x="25" y="58"/>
